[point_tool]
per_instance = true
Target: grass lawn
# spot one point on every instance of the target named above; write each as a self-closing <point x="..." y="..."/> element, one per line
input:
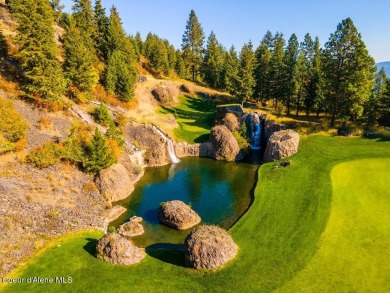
<point x="297" y="236"/>
<point x="354" y="254"/>
<point x="195" y="116"/>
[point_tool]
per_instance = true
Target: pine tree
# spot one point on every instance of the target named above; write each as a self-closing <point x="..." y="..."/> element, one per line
<point x="79" y="60"/>
<point x="101" y="22"/>
<point x="246" y="80"/>
<point x="57" y="7"/>
<point x="291" y="59"/>
<point x="301" y="78"/>
<point x="171" y="53"/>
<point x="213" y="62"/>
<point x="155" y="50"/>
<point x="231" y="65"/>
<point x="37" y="49"/>
<point x="85" y="21"/>
<point x="315" y="89"/>
<point x="349" y="71"/>
<point x="3" y="45"/>
<point x="98" y="155"/>
<point x="307" y="49"/>
<point x="376" y="105"/>
<point x="139" y="42"/>
<point x="384" y="118"/>
<point x="120" y="77"/>
<point x="180" y="66"/>
<point x="192" y="45"/>
<point x="262" y="74"/>
<point x="277" y="70"/>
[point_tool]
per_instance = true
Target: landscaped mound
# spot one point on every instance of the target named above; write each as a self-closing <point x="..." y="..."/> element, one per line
<point x="178" y="215"/>
<point x="208" y="247"/>
<point x="115" y="249"/>
<point x="131" y="228"/>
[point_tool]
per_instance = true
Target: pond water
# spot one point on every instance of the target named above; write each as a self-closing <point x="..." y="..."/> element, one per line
<point x="220" y="192"/>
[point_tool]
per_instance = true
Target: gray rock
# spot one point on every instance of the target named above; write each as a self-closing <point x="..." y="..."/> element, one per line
<point x="178" y="215"/>
<point x="224" y="144"/>
<point x="282" y="144"/>
<point x="115" y="249"/>
<point x="114" y="183"/>
<point x="131" y="228"/>
<point x="208" y="247"/>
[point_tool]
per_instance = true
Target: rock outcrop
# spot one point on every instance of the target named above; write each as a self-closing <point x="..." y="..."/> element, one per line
<point x="114" y="183"/>
<point x="113" y="213"/>
<point x="185" y="88"/>
<point x="131" y="228"/>
<point x="166" y="95"/>
<point x="231" y="122"/>
<point x="235" y="109"/>
<point x="270" y="127"/>
<point x="184" y="149"/>
<point x="115" y="249"/>
<point x="178" y="215"/>
<point x="225" y="146"/>
<point x="146" y="139"/>
<point x="282" y="144"/>
<point x="208" y="247"/>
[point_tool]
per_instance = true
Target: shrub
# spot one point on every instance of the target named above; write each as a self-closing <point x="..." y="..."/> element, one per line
<point x="13" y="127"/>
<point x="47" y="155"/>
<point x="102" y="115"/>
<point x="98" y="154"/>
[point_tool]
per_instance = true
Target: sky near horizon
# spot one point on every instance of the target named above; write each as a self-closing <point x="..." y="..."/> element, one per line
<point x="237" y="22"/>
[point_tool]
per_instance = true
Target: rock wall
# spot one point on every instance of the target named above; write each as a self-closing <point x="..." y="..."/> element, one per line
<point x="184" y="149"/>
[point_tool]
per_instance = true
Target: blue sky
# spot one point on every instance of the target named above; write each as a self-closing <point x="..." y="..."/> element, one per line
<point x="237" y="22"/>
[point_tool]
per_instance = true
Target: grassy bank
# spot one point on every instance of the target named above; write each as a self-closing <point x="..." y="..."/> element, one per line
<point x="281" y="237"/>
<point x="194" y="116"/>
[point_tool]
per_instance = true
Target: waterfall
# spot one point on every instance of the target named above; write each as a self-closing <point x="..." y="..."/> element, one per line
<point x="171" y="149"/>
<point x="255" y="130"/>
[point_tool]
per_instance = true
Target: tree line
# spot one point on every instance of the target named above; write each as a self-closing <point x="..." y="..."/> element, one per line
<point x="338" y="79"/>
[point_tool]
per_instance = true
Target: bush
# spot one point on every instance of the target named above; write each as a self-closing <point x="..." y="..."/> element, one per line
<point x="13" y="127"/>
<point x="102" y="115"/>
<point x="47" y="155"/>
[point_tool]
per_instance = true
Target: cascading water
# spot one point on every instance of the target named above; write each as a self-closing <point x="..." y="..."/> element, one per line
<point x="254" y="125"/>
<point x="169" y="142"/>
<point x="256" y="137"/>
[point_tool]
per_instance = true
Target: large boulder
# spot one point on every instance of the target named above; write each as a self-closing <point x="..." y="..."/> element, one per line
<point x="208" y="247"/>
<point x="131" y="228"/>
<point x="166" y="95"/>
<point x="178" y="215"/>
<point x="114" y="183"/>
<point x="184" y="149"/>
<point x="282" y="144"/>
<point x="225" y="146"/>
<point x="115" y="249"/>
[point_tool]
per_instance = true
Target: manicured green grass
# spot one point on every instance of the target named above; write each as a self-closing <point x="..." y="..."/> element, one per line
<point x="195" y="116"/>
<point x="355" y="246"/>
<point x="279" y="237"/>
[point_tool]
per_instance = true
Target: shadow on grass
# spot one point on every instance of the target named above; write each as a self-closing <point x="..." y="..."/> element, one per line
<point x="202" y="138"/>
<point x="166" y="252"/>
<point x="90" y="247"/>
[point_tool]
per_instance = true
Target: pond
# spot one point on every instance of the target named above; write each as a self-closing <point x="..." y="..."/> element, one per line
<point x="220" y="192"/>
